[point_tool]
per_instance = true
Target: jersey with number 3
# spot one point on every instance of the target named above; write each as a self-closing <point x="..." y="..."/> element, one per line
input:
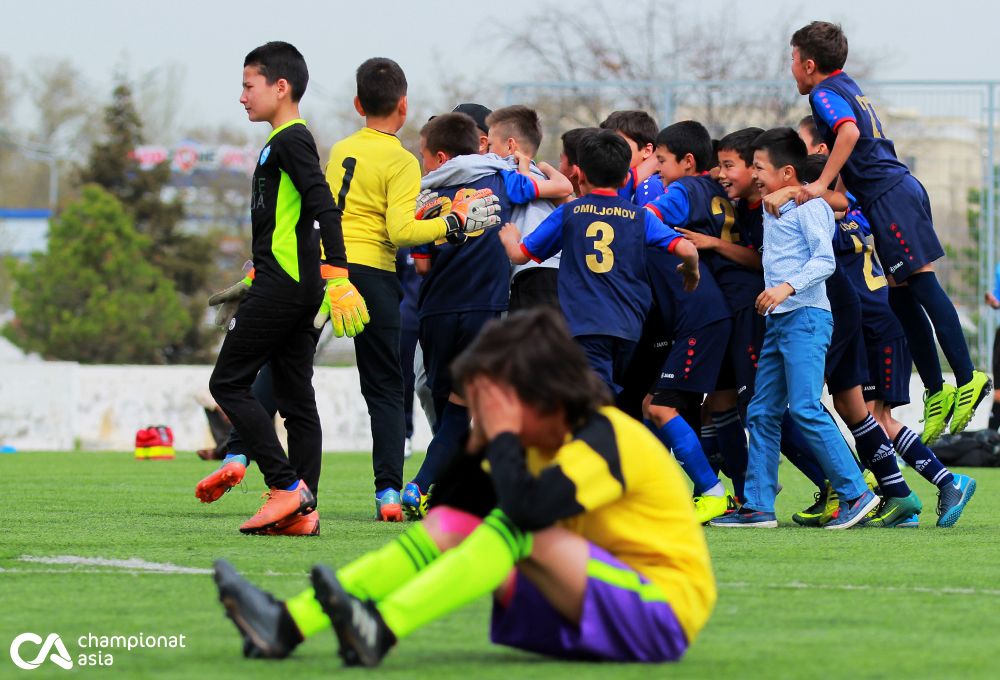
<point x="872" y="168"/>
<point x="602" y="271"/>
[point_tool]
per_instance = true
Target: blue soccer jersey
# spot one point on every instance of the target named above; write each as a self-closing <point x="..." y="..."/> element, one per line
<point x="873" y="167"/>
<point x="602" y="270"/>
<point x="700" y="204"/>
<point x="473" y="276"/>
<point x="857" y="259"/>
<point x="649" y="190"/>
<point x="681" y="311"/>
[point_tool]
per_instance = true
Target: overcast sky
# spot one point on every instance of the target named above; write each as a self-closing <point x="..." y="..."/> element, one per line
<point x="207" y="39"/>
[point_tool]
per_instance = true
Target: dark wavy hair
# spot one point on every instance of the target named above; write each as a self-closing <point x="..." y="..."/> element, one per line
<point x="533" y="352"/>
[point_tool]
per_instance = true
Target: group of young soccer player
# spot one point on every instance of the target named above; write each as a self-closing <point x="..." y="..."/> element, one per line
<point x="665" y="292"/>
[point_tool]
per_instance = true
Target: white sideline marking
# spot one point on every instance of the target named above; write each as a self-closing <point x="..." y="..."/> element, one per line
<point x="798" y="585"/>
<point x="134" y="564"/>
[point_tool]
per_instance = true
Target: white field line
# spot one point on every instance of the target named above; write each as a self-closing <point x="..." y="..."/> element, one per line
<point x="102" y="565"/>
<point x="135" y="565"/>
<point x="798" y="585"/>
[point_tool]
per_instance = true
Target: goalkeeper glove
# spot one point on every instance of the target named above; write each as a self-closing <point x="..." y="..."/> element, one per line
<point x="342" y="303"/>
<point x="471" y="211"/>
<point x="229" y="299"/>
<point x="430" y="205"/>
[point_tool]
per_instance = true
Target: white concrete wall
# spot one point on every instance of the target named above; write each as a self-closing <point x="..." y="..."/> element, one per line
<point x="60" y="406"/>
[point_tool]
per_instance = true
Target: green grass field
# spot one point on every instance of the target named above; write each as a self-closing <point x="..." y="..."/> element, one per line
<point x="793" y="602"/>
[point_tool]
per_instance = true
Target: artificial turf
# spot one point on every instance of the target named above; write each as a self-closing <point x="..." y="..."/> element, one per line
<point x="793" y="602"/>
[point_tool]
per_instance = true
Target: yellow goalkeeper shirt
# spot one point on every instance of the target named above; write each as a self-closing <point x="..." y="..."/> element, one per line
<point x="375" y="181"/>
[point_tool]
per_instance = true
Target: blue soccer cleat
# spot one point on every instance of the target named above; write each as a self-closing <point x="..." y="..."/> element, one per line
<point x="911" y="522"/>
<point x="745" y="517"/>
<point x="853" y="513"/>
<point x="952" y="499"/>
<point x="414" y="502"/>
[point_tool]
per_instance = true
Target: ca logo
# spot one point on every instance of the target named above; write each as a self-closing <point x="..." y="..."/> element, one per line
<point x="59" y="657"/>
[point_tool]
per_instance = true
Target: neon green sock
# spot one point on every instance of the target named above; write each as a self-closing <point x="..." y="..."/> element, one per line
<point x="370" y="577"/>
<point x="475" y="568"/>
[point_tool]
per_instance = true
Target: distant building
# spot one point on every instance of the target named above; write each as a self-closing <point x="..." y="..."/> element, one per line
<point x="23" y="231"/>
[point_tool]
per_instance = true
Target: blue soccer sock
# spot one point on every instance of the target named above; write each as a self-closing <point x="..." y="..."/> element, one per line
<point x="927" y="291"/>
<point x="449" y="438"/>
<point x="678" y="436"/>
<point x="294" y="486"/>
<point x="796" y="449"/>
<point x="919" y="336"/>
<point x="733" y="443"/>
<point x="878" y="455"/>
<point x="921" y="458"/>
<point x="710" y="445"/>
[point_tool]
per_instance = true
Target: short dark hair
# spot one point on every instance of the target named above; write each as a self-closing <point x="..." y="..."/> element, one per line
<point x="455" y="134"/>
<point x="533" y="352"/>
<point x="276" y="60"/>
<point x="741" y="143"/>
<point x="638" y="126"/>
<point x="604" y="157"/>
<point x="812" y="168"/>
<point x="518" y="122"/>
<point x="688" y="137"/>
<point x="824" y="43"/>
<point x="809" y="123"/>
<point x="381" y="84"/>
<point x="571" y="142"/>
<point x="784" y="147"/>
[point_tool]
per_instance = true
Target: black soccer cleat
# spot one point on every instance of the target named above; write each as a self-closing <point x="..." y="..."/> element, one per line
<point x="364" y="637"/>
<point x="266" y="626"/>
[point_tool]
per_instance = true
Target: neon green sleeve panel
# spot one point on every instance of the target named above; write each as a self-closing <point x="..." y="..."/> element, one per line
<point x="284" y="242"/>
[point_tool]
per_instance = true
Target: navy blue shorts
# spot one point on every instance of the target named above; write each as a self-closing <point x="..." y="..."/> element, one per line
<point x="609" y="357"/>
<point x="695" y="359"/>
<point x="739" y="370"/>
<point x="889" y="368"/>
<point x="903" y="229"/>
<point x="442" y="338"/>
<point x="846" y="360"/>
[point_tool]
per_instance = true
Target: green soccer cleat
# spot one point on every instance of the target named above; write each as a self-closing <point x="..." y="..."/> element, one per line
<point x="892" y="511"/>
<point x="967" y="398"/>
<point x="812" y="516"/>
<point x="832" y="508"/>
<point x="708" y="508"/>
<point x="938" y="408"/>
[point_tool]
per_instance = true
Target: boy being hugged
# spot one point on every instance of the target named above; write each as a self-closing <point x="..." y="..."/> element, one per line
<point x="899" y="211"/>
<point x="798" y="258"/>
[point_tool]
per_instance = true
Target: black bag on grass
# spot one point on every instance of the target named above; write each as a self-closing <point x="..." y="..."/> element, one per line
<point x="979" y="448"/>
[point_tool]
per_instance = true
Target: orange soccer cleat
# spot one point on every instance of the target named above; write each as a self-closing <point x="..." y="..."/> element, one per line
<point x="219" y="482"/>
<point x="280" y="505"/>
<point x="297" y="525"/>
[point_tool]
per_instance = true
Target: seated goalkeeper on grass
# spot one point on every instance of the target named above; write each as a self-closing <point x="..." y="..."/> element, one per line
<point x="582" y="528"/>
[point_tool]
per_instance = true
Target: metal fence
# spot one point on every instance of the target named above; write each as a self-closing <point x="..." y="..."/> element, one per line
<point x="944" y="130"/>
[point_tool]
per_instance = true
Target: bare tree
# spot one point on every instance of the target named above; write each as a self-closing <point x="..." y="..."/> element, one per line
<point x="652" y="55"/>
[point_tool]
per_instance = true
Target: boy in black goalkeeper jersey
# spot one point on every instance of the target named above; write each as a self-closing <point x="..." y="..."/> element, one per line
<point x="292" y="211"/>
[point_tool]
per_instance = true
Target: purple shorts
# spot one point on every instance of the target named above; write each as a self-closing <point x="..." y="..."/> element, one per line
<point x="625" y="618"/>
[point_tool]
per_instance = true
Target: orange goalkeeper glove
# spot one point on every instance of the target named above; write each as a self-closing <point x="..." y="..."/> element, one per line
<point x="342" y="303"/>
